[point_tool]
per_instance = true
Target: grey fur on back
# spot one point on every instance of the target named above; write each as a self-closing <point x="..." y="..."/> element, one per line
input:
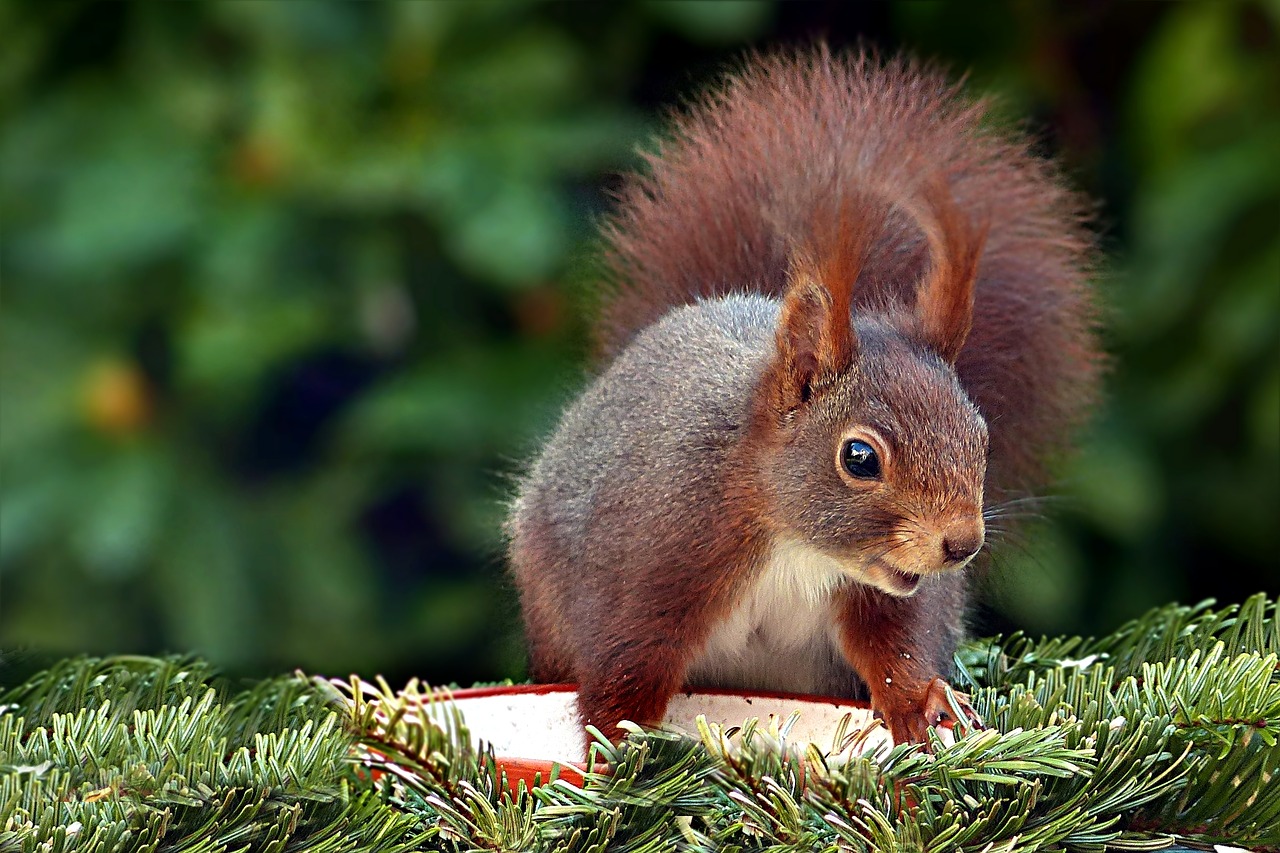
<point x="682" y="382"/>
<point x="648" y="442"/>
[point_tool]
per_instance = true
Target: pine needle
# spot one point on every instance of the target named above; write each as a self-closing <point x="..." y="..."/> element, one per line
<point x="1164" y="731"/>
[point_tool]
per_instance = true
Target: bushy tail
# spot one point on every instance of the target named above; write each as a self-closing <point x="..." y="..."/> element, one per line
<point x="749" y="171"/>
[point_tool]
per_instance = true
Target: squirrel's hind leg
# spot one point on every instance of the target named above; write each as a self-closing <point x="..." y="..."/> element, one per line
<point x="535" y="554"/>
<point x="633" y="681"/>
<point x="549" y="663"/>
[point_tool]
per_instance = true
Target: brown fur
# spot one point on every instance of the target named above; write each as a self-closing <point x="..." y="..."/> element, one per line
<point x="743" y="174"/>
<point x="928" y="285"/>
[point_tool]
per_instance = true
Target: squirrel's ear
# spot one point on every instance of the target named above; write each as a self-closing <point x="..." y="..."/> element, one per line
<point x="944" y="302"/>
<point x="815" y="338"/>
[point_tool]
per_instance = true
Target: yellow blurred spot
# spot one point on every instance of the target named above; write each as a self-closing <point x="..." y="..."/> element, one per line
<point x="257" y="162"/>
<point x="117" y="399"/>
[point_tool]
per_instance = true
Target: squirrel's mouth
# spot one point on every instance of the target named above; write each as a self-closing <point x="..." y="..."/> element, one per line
<point x="904" y="583"/>
<point x="893" y="581"/>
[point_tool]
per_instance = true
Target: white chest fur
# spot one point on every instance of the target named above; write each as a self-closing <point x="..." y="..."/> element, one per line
<point x="781" y="634"/>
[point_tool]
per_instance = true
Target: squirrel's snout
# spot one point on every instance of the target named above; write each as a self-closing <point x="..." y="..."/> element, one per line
<point x="961" y="540"/>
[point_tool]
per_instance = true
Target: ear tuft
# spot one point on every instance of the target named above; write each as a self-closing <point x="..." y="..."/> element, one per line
<point x="944" y="303"/>
<point x="812" y="345"/>
<point x="815" y="337"/>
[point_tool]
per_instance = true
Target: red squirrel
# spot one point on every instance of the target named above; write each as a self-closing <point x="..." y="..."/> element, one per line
<point x="847" y="318"/>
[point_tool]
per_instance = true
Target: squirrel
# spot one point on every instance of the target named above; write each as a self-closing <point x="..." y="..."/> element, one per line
<point x="846" y="320"/>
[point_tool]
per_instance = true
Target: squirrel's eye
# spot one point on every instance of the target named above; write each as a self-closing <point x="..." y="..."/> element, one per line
<point x="860" y="460"/>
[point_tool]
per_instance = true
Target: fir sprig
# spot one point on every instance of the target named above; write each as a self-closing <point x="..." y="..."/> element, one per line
<point x="1166" y="730"/>
<point x="1208" y="676"/>
<point x="134" y="754"/>
<point x="1126" y="742"/>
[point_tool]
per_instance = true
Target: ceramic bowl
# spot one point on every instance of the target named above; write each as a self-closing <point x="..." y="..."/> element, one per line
<point x="534" y="729"/>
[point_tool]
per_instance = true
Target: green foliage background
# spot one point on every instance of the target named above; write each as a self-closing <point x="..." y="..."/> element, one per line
<point x="289" y="291"/>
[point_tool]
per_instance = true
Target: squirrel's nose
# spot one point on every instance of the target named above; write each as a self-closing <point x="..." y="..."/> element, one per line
<point x="961" y="540"/>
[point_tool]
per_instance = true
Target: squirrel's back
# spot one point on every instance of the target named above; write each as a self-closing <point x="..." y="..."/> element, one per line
<point x="738" y="185"/>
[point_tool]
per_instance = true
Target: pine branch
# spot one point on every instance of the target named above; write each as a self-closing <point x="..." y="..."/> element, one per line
<point x="1083" y="754"/>
<point x="143" y="755"/>
<point x="1211" y="675"/>
<point x="1166" y="730"/>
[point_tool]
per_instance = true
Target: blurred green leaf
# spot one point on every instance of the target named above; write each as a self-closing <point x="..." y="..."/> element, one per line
<point x="519" y="238"/>
<point x="714" y="20"/>
<point x="228" y="349"/>
<point x="1180" y="223"/>
<point x="134" y="196"/>
<point x="529" y="71"/>
<point x="435" y="408"/>
<point x="1118" y="485"/>
<point x="206" y="580"/>
<point x="126" y="503"/>
<point x="1264" y="416"/>
<point x="1036" y="583"/>
<point x="31" y="512"/>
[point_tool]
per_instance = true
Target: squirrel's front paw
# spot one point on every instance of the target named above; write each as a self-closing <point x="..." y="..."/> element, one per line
<point x="909" y="719"/>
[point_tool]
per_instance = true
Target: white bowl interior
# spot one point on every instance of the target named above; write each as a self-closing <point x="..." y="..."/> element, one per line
<point x="543" y="724"/>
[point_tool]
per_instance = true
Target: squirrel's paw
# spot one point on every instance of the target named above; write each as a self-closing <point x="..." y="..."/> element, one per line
<point x="910" y="722"/>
